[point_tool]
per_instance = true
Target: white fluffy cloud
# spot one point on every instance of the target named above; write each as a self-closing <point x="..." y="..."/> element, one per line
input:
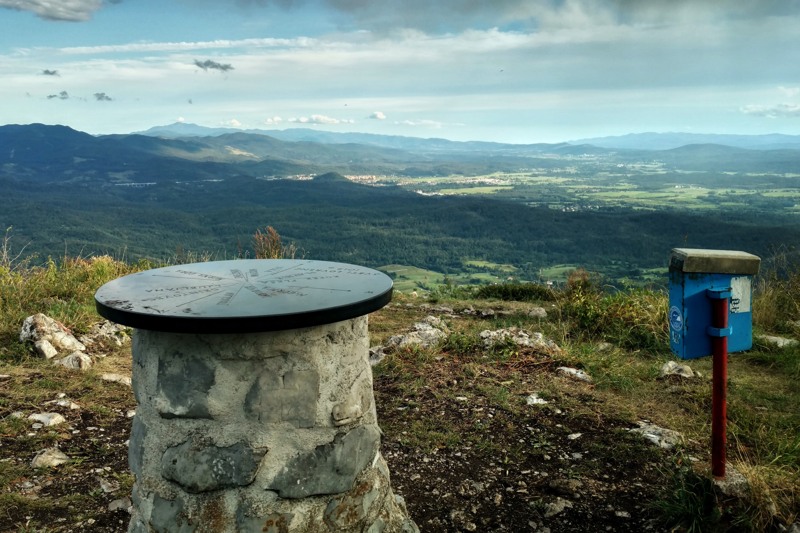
<point x="271" y="121"/>
<point x="377" y="115"/>
<point x="69" y="10"/>
<point x="320" y="119"/>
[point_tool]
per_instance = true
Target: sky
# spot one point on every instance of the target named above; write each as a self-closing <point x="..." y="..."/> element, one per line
<point x="518" y="71"/>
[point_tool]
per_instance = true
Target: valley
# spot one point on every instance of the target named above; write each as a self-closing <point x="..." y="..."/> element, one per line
<point x="452" y="210"/>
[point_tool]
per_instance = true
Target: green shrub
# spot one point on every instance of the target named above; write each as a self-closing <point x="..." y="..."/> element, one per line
<point x="518" y="292"/>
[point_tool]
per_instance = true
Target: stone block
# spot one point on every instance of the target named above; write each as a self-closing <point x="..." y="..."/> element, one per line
<point x="291" y="397"/>
<point x="199" y="466"/>
<point x="167" y="516"/>
<point x="330" y="468"/>
<point x="136" y="446"/>
<point x="349" y="510"/>
<point x="183" y="386"/>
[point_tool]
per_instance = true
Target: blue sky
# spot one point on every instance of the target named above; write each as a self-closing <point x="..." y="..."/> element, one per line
<point x="507" y="70"/>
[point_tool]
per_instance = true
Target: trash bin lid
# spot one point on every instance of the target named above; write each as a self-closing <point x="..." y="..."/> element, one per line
<point x="713" y="261"/>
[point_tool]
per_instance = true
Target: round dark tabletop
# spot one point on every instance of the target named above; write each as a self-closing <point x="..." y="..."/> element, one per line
<point x="243" y="296"/>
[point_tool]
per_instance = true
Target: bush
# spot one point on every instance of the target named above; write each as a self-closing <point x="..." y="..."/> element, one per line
<point x="518" y="292"/>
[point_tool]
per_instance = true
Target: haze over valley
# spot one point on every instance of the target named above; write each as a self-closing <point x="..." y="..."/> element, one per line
<point x="475" y="211"/>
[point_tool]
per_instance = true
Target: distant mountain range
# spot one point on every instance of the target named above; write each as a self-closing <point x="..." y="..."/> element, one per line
<point x="669" y="141"/>
<point x="631" y="141"/>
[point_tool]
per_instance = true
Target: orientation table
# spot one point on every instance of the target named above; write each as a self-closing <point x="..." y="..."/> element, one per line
<point x="255" y="409"/>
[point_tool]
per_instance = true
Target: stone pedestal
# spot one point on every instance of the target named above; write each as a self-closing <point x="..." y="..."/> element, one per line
<point x="264" y="432"/>
<point x="255" y="410"/>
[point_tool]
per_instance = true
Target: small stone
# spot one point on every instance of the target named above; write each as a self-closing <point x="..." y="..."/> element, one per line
<point x="671" y="368"/>
<point x="64" y="403"/>
<point x="574" y="436"/>
<point x="117" y="378"/>
<point x="556" y="507"/>
<point x="5" y="377"/>
<point x="75" y="361"/>
<point x="574" y="373"/>
<point x="534" y="399"/>
<point x="622" y="514"/>
<point x="780" y="342"/>
<point x="121" y="503"/>
<point x="734" y="483"/>
<point x="45" y="349"/>
<point x="49" y="457"/>
<point x="48" y="419"/>
<point x="661" y="437"/>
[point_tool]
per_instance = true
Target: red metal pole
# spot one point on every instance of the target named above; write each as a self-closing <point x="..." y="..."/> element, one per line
<point x="719" y="389"/>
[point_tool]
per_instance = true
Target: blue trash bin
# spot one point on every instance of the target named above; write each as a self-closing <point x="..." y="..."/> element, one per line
<point x="695" y="277"/>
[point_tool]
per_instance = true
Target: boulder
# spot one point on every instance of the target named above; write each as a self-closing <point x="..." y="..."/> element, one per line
<point x="40" y="327"/>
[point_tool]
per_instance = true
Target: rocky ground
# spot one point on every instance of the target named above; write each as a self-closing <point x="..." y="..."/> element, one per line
<point x="470" y="447"/>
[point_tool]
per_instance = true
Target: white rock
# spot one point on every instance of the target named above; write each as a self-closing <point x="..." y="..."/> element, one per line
<point x="75" y="361"/>
<point x="64" y="403"/>
<point x="48" y="419"/>
<point x="534" y="399"/>
<point x="425" y="334"/>
<point x="49" y="457"/>
<point x="574" y="373"/>
<point x="780" y="342"/>
<point x="45" y="349"/>
<point x="121" y="503"/>
<point x="661" y="437"/>
<point x="671" y="368"/>
<point x="574" y="436"/>
<point x="4" y="377"/>
<point x="117" y="378"/>
<point x="40" y="327"/>
<point x="519" y="337"/>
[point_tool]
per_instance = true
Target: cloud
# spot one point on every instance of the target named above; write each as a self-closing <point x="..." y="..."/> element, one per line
<point x="789" y="92"/>
<point x="63" y="10"/>
<point x="48" y="72"/>
<point x="772" y="111"/>
<point x="377" y="115"/>
<point x="232" y="123"/>
<point x="320" y="119"/>
<point x="63" y="95"/>
<point x="271" y="121"/>
<point x="213" y="65"/>
<point x="422" y="123"/>
<point x="102" y="97"/>
<point x="445" y="16"/>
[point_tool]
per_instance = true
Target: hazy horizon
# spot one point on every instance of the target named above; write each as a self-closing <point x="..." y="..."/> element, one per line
<point x="514" y="71"/>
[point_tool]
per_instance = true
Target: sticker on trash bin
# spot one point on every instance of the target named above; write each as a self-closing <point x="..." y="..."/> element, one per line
<point x="740" y="294"/>
<point x="675" y="318"/>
